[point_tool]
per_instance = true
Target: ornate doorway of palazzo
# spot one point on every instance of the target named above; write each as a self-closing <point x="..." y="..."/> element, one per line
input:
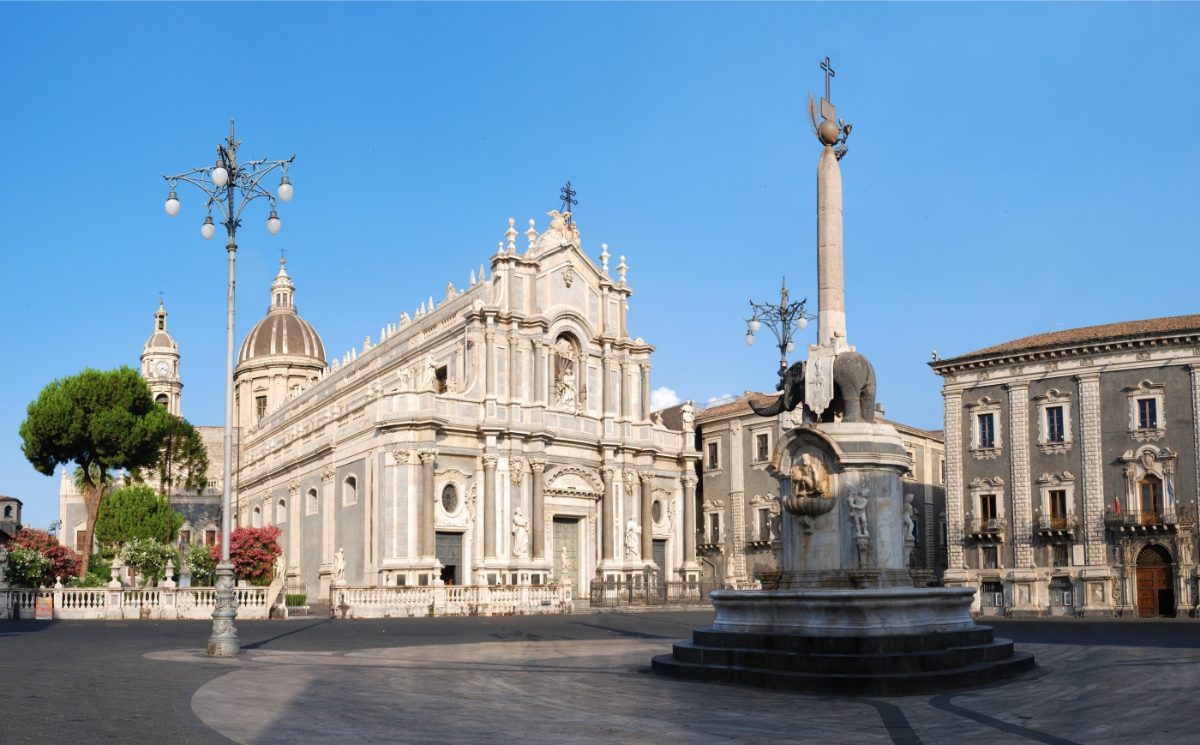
<point x="1155" y="593"/>
<point x="449" y="554"/>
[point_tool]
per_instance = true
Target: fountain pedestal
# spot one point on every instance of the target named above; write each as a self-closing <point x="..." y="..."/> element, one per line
<point x="847" y="617"/>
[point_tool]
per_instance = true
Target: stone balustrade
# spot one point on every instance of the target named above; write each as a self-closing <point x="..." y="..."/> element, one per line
<point x="449" y="600"/>
<point x="152" y="603"/>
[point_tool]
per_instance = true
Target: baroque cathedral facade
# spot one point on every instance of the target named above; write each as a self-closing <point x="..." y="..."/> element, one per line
<point x="502" y="434"/>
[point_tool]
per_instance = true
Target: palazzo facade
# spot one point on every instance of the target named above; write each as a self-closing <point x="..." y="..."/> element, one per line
<point x="1072" y="470"/>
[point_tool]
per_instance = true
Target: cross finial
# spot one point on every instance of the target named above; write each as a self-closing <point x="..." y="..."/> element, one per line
<point x="567" y="195"/>
<point x="829" y="74"/>
<point x="160" y="298"/>
<point x="283" y="256"/>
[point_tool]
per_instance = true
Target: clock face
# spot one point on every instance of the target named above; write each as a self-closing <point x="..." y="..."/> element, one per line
<point x="162" y="369"/>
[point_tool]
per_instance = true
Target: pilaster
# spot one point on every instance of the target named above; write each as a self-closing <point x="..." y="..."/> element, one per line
<point x="426" y="501"/>
<point x="607" y="514"/>
<point x="954" y="480"/>
<point x="538" y="518"/>
<point x="489" y="506"/>
<point x="647" y="488"/>
<point x="1093" y="467"/>
<point x="1018" y="435"/>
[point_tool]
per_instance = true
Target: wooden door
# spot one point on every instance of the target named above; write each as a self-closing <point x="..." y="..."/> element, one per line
<point x="1151" y="582"/>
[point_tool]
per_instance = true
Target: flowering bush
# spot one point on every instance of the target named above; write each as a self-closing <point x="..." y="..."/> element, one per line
<point x="62" y="561"/>
<point x="253" y="552"/>
<point x="202" y="566"/>
<point x="149" y="557"/>
<point x="28" y="568"/>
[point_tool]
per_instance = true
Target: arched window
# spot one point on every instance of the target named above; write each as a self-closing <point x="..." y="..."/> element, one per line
<point x="310" y="502"/>
<point x="8" y="512"/>
<point x="161" y="399"/>
<point x="256" y="517"/>
<point x="281" y="512"/>
<point x="350" y="491"/>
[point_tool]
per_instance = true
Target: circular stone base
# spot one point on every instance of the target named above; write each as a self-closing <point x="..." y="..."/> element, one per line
<point x="865" y="612"/>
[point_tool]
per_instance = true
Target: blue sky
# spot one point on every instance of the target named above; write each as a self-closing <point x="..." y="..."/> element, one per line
<point x="1014" y="168"/>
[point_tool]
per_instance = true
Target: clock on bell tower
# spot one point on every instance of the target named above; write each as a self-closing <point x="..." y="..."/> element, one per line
<point x="160" y="364"/>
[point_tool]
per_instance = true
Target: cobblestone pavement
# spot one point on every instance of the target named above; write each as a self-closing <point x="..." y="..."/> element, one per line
<point x="571" y="679"/>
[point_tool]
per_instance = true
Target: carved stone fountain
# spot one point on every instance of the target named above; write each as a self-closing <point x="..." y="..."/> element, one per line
<point x="847" y="617"/>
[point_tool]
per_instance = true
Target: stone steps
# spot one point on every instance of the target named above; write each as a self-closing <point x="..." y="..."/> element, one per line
<point x="897" y="665"/>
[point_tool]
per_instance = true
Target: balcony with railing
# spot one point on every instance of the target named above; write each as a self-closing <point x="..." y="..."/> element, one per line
<point x="1056" y="528"/>
<point x="985" y="529"/>
<point x="1141" y="521"/>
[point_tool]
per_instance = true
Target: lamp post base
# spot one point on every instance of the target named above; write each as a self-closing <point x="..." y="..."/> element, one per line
<point x="224" y="640"/>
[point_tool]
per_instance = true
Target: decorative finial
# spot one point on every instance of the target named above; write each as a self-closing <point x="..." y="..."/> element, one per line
<point x="472" y="277"/>
<point x="622" y="268"/>
<point x="531" y="234"/>
<point x="511" y="236"/>
<point x="160" y="299"/>
<point x="604" y="258"/>
<point x="282" y="256"/>
<point x="567" y="195"/>
<point x="831" y="131"/>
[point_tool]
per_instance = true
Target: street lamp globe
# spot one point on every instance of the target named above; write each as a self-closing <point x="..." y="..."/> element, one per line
<point x="220" y="176"/>
<point x="273" y="223"/>
<point x="749" y="339"/>
<point x="208" y="229"/>
<point x="285" y="189"/>
<point x="802" y="322"/>
<point x="755" y="325"/>
<point x="791" y="347"/>
<point x="172" y="205"/>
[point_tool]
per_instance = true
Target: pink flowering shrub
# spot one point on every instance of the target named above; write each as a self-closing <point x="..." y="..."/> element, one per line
<point x="253" y="552"/>
<point x="64" y="562"/>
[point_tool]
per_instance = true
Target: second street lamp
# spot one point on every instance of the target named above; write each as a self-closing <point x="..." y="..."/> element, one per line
<point x="781" y="319"/>
<point x="223" y="184"/>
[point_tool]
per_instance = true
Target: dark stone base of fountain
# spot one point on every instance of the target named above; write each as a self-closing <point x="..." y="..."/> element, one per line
<point x="872" y="665"/>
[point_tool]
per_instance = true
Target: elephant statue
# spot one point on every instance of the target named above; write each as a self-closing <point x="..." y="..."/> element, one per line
<point x="791" y="382"/>
<point x="853" y="388"/>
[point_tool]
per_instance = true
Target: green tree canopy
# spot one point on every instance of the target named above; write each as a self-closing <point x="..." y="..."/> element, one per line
<point x="182" y="459"/>
<point x="136" y="511"/>
<point x="103" y="421"/>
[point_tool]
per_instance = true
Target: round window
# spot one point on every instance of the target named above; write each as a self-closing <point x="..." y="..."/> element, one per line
<point x="449" y="498"/>
<point x="656" y="511"/>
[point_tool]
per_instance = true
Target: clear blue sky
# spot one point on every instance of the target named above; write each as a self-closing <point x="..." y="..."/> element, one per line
<point x="1013" y="169"/>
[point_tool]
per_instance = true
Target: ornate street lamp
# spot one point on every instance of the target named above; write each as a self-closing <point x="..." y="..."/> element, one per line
<point x="223" y="183"/>
<point x="782" y="319"/>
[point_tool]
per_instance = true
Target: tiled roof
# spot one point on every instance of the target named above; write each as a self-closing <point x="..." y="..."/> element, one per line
<point x="1108" y="332"/>
<point x="738" y="406"/>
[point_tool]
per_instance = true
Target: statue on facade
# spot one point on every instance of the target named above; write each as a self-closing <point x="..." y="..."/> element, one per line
<point x="520" y="533"/>
<point x="339" y="567"/>
<point x="858" y="513"/>
<point x="567" y="567"/>
<point x="910" y="523"/>
<point x="632" y="533"/>
<point x="565" y="395"/>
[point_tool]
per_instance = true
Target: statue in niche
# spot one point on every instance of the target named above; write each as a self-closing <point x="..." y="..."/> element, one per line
<point x="340" y="566"/>
<point x="632" y="543"/>
<point x="910" y="523"/>
<point x="858" y="513"/>
<point x="687" y="414"/>
<point x="520" y="533"/>
<point x="566" y="380"/>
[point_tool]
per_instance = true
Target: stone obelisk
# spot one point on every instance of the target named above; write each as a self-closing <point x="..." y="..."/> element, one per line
<point x="831" y="302"/>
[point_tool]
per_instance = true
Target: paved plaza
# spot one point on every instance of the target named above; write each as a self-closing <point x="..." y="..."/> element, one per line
<point x="565" y="679"/>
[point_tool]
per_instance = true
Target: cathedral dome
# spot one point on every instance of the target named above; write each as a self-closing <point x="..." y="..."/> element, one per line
<point x="283" y="333"/>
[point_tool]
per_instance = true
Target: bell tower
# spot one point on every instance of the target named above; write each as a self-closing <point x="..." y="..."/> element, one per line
<point x="160" y="364"/>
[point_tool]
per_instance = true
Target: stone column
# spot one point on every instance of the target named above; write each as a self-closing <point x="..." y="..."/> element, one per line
<point x="425" y="500"/>
<point x="647" y="484"/>
<point x="539" y="366"/>
<point x="489" y="506"/>
<point x="489" y="361"/>
<point x="606" y="383"/>
<point x="538" y="517"/>
<point x="689" y="517"/>
<point x="1092" y="525"/>
<point x="645" y="392"/>
<point x="1194" y="369"/>
<point x="831" y="305"/>
<point x="625" y="409"/>
<point x="1018" y="440"/>
<point x="954" y="480"/>
<point x="606" y="515"/>
<point x="512" y="367"/>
